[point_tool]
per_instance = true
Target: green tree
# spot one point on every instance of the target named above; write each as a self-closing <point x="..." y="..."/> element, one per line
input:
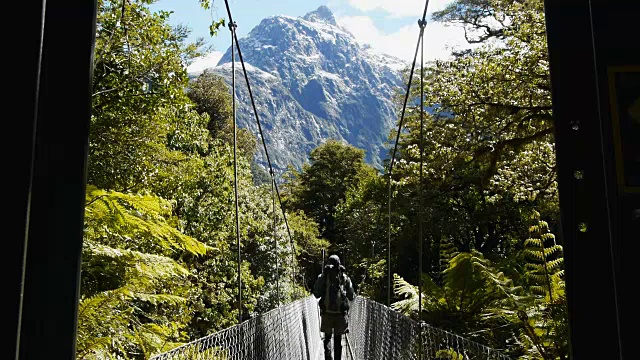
<point x="161" y="188"/>
<point x="361" y="232"/>
<point x="489" y="157"/>
<point x="318" y="190"/>
<point x="320" y="186"/>
<point x="212" y="96"/>
<point x="309" y="245"/>
<point x="133" y="296"/>
<point x="201" y="187"/>
<point x="139" y="67"/>
<point x="489" y="163"/>
<point x="493" y="101"/>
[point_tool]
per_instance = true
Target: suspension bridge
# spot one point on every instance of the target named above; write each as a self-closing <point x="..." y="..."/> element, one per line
<point x="292" y="331"/>
<point x="589" y="55"/>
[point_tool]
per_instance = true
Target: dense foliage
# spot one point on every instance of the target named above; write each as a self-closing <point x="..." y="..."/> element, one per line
<point x="160" y="260"/>
<point x="488" y="169"/>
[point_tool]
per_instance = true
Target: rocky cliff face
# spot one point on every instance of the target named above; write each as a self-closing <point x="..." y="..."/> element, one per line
<point x="312" y="81"/>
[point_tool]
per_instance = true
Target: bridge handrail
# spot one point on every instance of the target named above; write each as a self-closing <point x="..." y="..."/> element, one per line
<point x="291" y="331"/>
<point x="379" y="332"/>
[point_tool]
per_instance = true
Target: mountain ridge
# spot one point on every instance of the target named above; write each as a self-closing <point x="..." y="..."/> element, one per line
<point x="312" y="81"/>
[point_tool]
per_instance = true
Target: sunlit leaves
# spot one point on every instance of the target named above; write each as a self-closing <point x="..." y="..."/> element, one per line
<point x="215" y="24"/>
<point x="159" y="257"/>
<point x="129" y="272"/>
<point x="544" y="273"/>
<point x="140" y="222"/>
<point x="139" y="67"/>
<point x="212" y="96"/>
<point x="322" y="184"/>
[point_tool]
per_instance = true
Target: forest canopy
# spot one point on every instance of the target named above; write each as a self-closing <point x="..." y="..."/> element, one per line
<point x="159" y="260"/>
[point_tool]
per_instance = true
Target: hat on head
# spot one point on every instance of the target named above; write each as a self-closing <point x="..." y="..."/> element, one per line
<point x="333" y="264"/>
<point x="334" y="260"/>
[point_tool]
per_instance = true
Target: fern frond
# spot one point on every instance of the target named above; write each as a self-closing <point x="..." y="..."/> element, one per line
<point x="536" y="277"/>
<point x="533" y="243"/>
<point x="145" y="218"/>
<point x="555" y="264"/>
<point x="537" y="255"/>
<point x="544" y="273"/>
<point x="154" y="299"/>
<point x="547" y="236"/>
<point x="403" y="288"/>
<point x="113" y="315"/>
<point x="406" y="306"/>
<point x="552" y="250"/>
<point x="146" y="265"/>
<point x="533" y="267"/>
<point x="433" y="296"/>
<point x="558" y="276"/>
<point x="154" y="336"/>
<point x="540" y="290"/>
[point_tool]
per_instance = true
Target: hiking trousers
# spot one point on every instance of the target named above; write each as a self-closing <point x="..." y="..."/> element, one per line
<point x="337" y="346"/>
<point x="333" y="324"/>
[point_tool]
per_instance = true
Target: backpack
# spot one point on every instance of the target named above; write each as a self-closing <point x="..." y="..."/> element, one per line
<point x="335" y="295"/>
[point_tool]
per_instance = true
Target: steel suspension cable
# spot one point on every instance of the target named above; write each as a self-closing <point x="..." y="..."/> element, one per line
<point x="232" y="28"/>
<point x="422" y="25"/>
<point x="275" y="239"/>
<point x="264" y="144"/>
<point x="395" y="148"/>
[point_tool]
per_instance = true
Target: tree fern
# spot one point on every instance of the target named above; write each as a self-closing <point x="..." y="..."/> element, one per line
<point x="547" y="317"/>
<point x="134" y="290"/>
<point x="433" y="296"/>
<point x="447" y="252"/>
<point x="408" y="294"/>
<point x="539" y="312"/>
<point x="545" y="266"/>
<point x="470" y="281"/>
<point x="109" y="324"/>
<point x="141" y="222"/>
<point x="471" y="300"/>
<point x="470" y="284"/>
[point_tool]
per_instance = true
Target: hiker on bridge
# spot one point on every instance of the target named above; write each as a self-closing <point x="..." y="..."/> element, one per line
<point x="334" y="289"/>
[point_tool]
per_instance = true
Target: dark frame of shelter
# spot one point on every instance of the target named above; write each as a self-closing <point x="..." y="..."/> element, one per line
<point x="624" y="97"/>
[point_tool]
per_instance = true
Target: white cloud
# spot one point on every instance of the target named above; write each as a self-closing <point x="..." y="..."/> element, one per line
<point x="439" y="39"/>
<point x="204" y="62"/>
<point x="399" y="8"/>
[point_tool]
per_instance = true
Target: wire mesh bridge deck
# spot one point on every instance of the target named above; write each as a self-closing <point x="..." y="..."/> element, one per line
<point x="292" y="331"/>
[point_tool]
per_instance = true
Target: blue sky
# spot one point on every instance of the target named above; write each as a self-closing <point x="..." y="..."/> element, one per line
<point x="389" y="26"/>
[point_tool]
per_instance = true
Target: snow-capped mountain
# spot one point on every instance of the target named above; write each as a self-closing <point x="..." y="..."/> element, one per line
<point x="312" y="81"/>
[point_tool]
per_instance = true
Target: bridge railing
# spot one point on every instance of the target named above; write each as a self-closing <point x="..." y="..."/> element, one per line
<point x="378" y="332"/>
<point x="291" y="331"/>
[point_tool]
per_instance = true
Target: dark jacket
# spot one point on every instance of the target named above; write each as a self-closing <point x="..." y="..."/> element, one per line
<point x="320" y="290"/>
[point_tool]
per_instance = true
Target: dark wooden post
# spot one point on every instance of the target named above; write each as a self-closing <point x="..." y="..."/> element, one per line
<point x="48" y="188"/>
<point x="594" y="60"/>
